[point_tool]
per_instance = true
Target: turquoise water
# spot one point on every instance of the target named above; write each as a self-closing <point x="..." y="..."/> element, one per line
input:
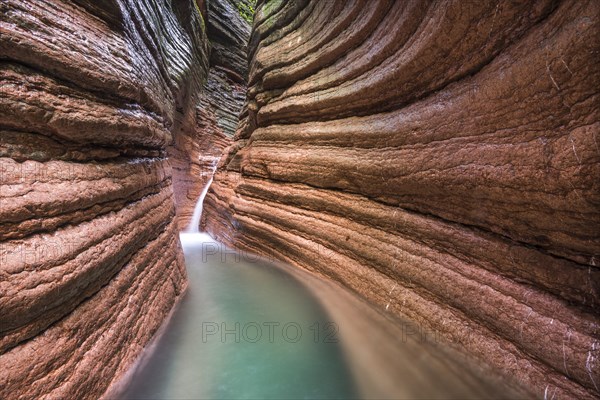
<point x="244" y="329"/>
<point x="249" y="329"/>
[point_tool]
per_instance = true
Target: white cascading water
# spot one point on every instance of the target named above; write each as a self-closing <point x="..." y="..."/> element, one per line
<point x="194" y="225"/>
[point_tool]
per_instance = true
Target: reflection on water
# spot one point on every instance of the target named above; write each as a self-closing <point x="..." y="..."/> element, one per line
<point x="249" y="329"/>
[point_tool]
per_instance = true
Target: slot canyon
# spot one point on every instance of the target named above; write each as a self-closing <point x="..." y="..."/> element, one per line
<point x="420" y="163"/>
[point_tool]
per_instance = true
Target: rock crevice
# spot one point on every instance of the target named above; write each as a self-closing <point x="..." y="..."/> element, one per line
<point x="440" y="159"/>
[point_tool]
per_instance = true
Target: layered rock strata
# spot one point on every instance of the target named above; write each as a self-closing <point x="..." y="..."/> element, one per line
<point x="92" y="93"/>
<point x="197" y="150"/>
<point x="441" y="159"/>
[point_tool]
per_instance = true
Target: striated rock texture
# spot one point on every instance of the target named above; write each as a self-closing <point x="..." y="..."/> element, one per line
<point x="92" y="94"/>
<point x="439" y="158"/>
<point x="200" y="143"/>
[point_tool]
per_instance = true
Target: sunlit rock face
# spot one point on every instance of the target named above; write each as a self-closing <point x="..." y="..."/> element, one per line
<point x="440" y="159"/>
<point x="92" y="94"/>
<point x="200" y="143"/>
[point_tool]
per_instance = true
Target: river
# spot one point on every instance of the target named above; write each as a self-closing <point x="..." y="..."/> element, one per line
<point x="249" y="328"/>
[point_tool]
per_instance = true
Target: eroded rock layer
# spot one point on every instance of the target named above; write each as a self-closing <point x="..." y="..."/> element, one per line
<point x="92" y="94"/>
<point x="439" y="158"/>
<point x="196" y="151"/>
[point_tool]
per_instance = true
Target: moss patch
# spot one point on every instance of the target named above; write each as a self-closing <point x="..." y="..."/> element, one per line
<point x="247" y="9"/>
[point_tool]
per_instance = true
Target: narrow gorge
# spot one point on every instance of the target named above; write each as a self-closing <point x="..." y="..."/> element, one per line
<point x="432" y="163"/>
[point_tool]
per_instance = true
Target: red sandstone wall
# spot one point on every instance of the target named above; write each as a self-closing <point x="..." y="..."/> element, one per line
<point x="92" y="94"/>
<point x="439" y="158"/>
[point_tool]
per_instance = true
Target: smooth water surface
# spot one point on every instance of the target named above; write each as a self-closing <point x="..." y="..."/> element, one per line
<point x="250" y="329"/>
<point x="245" y="329"/>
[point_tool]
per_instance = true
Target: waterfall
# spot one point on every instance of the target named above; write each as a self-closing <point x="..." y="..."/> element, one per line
<point x="194" y="224"/>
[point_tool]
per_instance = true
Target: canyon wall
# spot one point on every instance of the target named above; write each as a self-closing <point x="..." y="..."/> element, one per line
<point x="92" y="93"/>
<point x="199" y="144"/>
<point x="440" y="159"/>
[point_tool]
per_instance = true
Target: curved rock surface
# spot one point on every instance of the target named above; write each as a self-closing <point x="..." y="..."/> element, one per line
<point x="92" y="94"/>
<point x="196" y="151"/>
<point x="439" y="158"/>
